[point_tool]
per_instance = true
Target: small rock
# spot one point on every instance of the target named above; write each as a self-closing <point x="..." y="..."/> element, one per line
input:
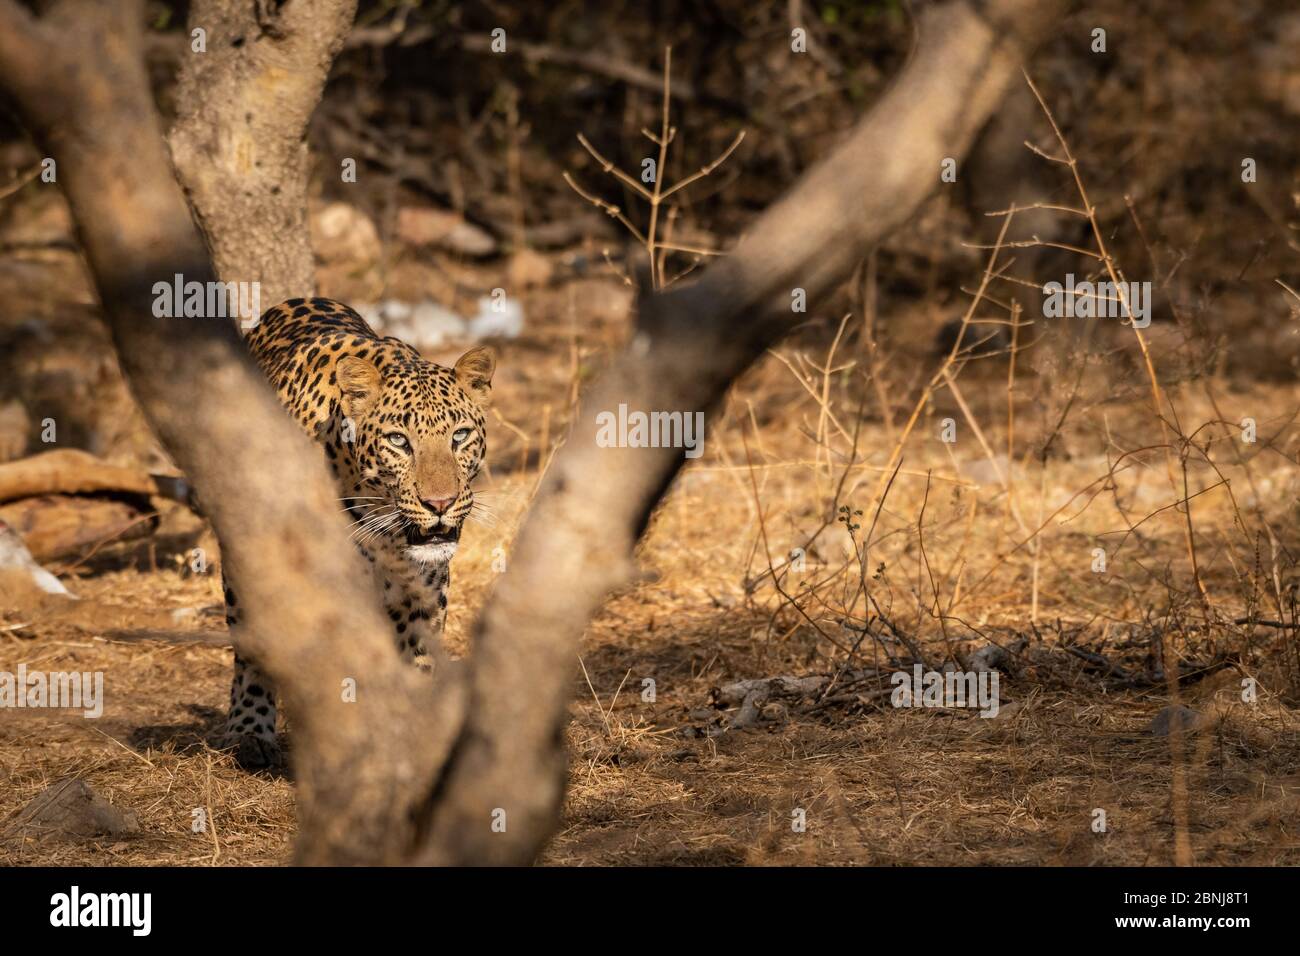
<point x="1185" y="718"/>
<point x="385" y="313"/>
<point x="343" y="233"/>
<point x="527" y="269"/>
<point x="424" y="324"/>
<point x="431" y="325"/>
<point x="1008" y="710"/>
<point x="427" y="226"/>
<point x="71" y="808"/>
<point x="502" y="319"/>
<point x="988" y="658"/>
<point x="17" y="562"/>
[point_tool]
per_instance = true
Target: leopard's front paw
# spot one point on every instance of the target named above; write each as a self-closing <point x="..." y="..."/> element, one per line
<point x="254" y="753"/>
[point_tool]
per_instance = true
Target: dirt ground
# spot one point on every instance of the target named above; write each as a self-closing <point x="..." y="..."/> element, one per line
<point x="970" y="548"/>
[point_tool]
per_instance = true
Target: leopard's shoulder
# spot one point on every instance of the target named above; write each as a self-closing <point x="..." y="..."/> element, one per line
<point x="298" y="344"/>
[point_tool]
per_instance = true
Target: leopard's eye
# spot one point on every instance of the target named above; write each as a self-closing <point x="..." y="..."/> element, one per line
<point x="397" y="440"/>
<point x="459" y="436"/>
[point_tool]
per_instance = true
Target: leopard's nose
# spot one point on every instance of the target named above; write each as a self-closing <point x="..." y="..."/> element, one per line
<point x="437" y="505"/>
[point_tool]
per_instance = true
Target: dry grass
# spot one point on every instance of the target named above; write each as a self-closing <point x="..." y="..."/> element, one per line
<point x="648" y="782"/>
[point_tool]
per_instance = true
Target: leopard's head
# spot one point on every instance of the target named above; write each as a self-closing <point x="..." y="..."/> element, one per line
<point x="417" y="436"/>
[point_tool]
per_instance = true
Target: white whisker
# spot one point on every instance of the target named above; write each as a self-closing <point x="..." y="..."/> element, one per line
<point x="373" y="524"/>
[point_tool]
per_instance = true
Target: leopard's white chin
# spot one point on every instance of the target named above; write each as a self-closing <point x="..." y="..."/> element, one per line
<point x="435" y="552"/>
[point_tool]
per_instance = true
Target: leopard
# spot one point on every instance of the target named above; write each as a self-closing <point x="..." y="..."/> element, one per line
<point x="404" y="439"/>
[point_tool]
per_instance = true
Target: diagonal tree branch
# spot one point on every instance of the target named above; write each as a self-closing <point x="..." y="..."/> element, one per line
<point x="692" y="342"/>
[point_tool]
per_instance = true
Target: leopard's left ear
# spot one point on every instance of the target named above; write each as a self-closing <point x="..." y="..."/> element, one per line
<point x="474" y="372"/>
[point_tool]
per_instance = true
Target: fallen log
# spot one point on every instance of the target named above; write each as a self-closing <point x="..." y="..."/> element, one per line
<point x="67" y="471"/>
<point x="60" y="526"/>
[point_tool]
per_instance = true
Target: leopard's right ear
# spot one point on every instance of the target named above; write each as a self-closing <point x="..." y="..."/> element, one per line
<point x="360" y="384"/>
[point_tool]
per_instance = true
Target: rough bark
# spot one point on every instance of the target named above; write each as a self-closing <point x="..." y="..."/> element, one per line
<point x="239" y="141"/>
<point x="404" y="776"/>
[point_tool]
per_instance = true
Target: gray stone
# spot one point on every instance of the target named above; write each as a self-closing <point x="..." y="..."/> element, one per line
<point x="1183" y="717"/>
<point x="70" y="808"/>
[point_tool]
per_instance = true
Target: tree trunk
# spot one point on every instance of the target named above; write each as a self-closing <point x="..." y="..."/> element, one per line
<point x="239" y="143"/>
